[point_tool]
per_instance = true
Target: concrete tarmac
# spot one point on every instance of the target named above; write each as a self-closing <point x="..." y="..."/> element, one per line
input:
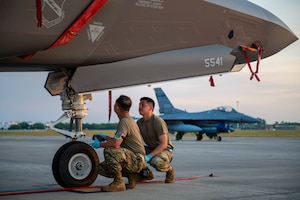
<point x="236" y="168"/>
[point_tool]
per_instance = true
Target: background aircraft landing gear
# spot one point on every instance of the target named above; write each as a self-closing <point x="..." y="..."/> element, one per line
<point x="75" y="165"/>
<point x="214" y="137"/>
<point x="199" y="136"/>
<point x="179" y="135"/>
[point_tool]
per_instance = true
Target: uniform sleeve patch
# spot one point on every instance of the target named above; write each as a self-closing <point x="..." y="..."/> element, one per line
<point x="119" y="135"/>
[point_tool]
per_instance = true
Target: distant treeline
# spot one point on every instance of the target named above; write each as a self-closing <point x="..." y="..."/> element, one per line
<point x="113" y="126"/>
<point x="64" y="126"/>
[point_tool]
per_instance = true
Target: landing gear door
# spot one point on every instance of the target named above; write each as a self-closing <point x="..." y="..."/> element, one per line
<point x="55" y="82"/>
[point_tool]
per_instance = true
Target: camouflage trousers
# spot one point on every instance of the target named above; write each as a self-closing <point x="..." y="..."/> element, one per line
<point x="120" y="160"/>
<point x="161" y="162"/>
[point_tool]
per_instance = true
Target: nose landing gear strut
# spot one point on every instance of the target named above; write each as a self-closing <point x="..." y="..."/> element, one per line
<point x="75" y="163"/>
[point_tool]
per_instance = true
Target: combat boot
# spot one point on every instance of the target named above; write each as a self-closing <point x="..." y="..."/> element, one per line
<point x="117" y="185"/>
<point x="150" y="175"/>
<point x="132" y="179"/>
<point x="170" y="176"/>
<point x="145" y="174"/>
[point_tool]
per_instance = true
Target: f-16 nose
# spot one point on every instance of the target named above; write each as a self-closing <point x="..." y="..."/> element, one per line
<point x="248" y="119"/>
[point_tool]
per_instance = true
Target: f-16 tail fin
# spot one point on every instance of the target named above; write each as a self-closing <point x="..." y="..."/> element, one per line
<point x="165" y="105"/>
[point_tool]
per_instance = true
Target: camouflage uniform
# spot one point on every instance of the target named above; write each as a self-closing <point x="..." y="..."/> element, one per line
<point x="120" y="159"/>
<point x="161" y="162"/>
<point x="151" y="130"/>
<point x="129" y="157"/>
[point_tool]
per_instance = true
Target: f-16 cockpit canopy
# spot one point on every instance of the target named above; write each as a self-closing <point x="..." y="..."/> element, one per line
<point x="225" y="109"/>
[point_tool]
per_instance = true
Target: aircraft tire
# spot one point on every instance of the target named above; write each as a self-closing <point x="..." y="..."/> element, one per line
<point x="199" y="136"/>
<point x="55" y="164"/>
<point x="74" y="165"/>
<point x="179" y="136"/>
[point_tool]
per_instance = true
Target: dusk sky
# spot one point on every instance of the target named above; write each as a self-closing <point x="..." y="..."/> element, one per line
<point x="275" y="98"/>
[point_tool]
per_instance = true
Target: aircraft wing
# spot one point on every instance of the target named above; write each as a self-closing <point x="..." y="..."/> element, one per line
<point x="105" y="44"/>
<point x="179" y="126"/>
<point x="210" y="115"/>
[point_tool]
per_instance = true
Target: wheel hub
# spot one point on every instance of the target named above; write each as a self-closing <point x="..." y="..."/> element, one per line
<point x="80" y="166"/>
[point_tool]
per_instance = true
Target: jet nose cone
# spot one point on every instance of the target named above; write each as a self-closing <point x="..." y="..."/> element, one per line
<point x="248" y="119"/>
<point x="278" y="34"/>
<point x="273" y="34"/>
<point x="248" y="23"/>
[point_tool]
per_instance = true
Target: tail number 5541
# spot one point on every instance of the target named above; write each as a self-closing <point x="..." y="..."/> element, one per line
<point x="213" y="62"/>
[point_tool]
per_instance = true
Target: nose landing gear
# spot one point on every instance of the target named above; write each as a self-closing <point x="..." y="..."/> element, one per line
<point x="75" y="163"/>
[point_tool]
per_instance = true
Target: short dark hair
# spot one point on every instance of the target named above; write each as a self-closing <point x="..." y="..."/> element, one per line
<point x="124" y="102"/>
<point x="149" y="100"/>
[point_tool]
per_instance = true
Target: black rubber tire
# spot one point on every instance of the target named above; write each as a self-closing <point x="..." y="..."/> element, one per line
<point x="55" y="163"/>
<point x="199" y="136"/>
<point x="75" y="165"/>
<point x="179" y="136"/>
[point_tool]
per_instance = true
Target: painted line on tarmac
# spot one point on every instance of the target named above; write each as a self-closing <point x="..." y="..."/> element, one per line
<point x="78" y="189"/>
